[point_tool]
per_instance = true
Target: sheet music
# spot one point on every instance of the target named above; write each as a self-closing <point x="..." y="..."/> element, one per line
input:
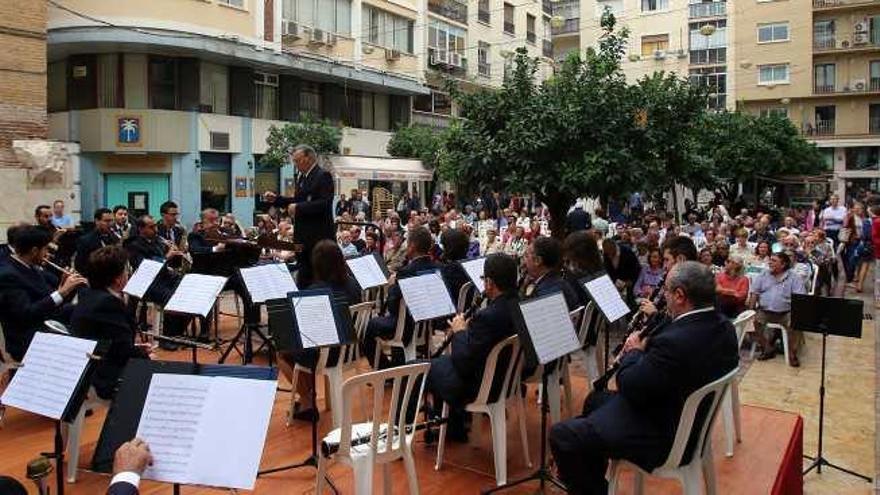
<point x="549" y="327"/>
<point x="271" y="281"/>
<point x="606" y="295"/>
<point x="314" y="317"/>
<point x="196" y="294"/>
<point x="50" y="372"/>
<point x="426" y="296"/>
<point x="194" y="427"/>
<point x="474" y="269"/>
<point x="366" y="271"/>
<point x="142" y="278"/>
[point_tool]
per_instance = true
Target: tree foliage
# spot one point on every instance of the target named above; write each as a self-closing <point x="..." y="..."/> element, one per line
<point x="319" y="134"/>
<point x="419" y="142"/>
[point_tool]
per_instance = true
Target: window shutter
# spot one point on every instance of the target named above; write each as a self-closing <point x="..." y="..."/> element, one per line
<point x="188" y="84"/>
<point x="241" y="91"/>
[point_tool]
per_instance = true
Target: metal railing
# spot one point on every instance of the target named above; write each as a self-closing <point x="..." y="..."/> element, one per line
<point x="824" y="88"/>
<point x="713" y="9"/>
<point x="861" y="41"/>
<point x="452" y="9"/>
<point x="830" y="4"/>
<point x="568" y="26"/>
<point x="484" y="69"/>
<point x="431" y="119"/>
<point x="820" y="128"/>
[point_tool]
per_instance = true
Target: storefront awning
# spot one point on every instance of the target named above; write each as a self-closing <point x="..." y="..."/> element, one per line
<point x="374" y="168"/>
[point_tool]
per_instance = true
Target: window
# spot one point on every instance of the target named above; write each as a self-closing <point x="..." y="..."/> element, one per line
<point x="825" y="120"/>
<point x="216" y="181"/>
<point x="714" y="79"/>
<point x="483" y="14"/>
<point x="531" y="35"/>
<point x="654" y="43"/>
<point x="773" y="74"/>
<point x="699" y="41"/>
<point x="265" y="96"/>
<point x="615" y="6"/>
<point x="654" y="5"/>
<point x="874" y="71"/>
<point x="444" y="38"/>
<point x="773" y="32"/>
<point x="436" y="102"/>
<point x="483" y="67"/>
<point x="310" y="100"/>
<point x="233" y="3"/>
<point x="863" y="158"/>
<point x="109" y="87"/>
<point x="387" y="30"/>
<point x="824" y="78"/>
<point x="874" y="119"/>
<point x="774" y="112"/>
<point x="823" y="34"/>
<point x="163" y="87"/>
<point x="709" y="57"/>
<point x="329" y="15"/>
<point x="508" y="19"/>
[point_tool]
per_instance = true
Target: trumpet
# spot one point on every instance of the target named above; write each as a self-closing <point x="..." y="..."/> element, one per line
<point x="186" y="257"/>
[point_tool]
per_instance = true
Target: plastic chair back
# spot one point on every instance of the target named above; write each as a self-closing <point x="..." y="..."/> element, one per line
<point x="741" y="324"/>
<point x="464" y="295"/>
<point x="497" y="386"/>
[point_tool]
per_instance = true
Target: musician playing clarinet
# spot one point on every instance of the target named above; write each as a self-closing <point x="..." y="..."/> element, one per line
<point x="27" y="298"/>
<point x="675" y="250"/>
<point x="636" y="418"/>
<point x="310" y="207"/>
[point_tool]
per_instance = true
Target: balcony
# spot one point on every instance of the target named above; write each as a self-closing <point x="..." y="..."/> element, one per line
<point x="846" y="43"/>
<point x="854" y="87"/>
<point x="874" y="125"/>
<point x="450" y="9"/>
<point x="829" y="5"/>
<point x="712" y="9"/>
<point x="508" y="28"/>
<point x="820" y="128"/>
<point x="547" y="48"/>
<point x="435" y="120"/>
<point x="483" y="16"/>
<point x="484" y="69"/>
<point x="448" y="62"/>
<point x="570" y="26"/>
<point x="824" y="89"/>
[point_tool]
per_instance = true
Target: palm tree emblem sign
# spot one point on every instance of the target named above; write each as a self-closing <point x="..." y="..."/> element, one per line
<point x="129" y="130"/>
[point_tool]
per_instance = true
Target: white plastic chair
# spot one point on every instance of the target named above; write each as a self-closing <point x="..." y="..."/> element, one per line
<point x="814" y="278"/>
<point x="731" y="412"/>
<point x="699" y="472"/>
<point x="421" y="333"/>
<point x="348" y="358"/>
<point x="380" y="449"/>
<point x="466" y="289"/>
<point x="784" y="332"/>
<point x="497" y="410"/>
<point x="73" y="431"/>
<point x="7" y="364"/>
<point x="592" y="317"/>
<point x="559" y="372"/>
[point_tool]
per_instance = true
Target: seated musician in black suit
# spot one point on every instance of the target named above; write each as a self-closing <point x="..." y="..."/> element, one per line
<point x="129" y="463"/>
<point x="455" y="378"/>
<point x="102" y="235"/>
<point x="101" y="315"/>
<point x="582" y="260"/>
<point x="329" y="272"/>
<point x="637" y="417"/>
<point x="147" y="244"/>
<point x="27" y="298"/>
<point x="543" y="260"/>
<point x="455" y="246"/>
<point x="418" y="245"/>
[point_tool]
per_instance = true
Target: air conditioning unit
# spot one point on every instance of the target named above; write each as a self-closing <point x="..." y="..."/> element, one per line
<point x="681" y="53"/>
<point x="634" y="57"/>
<point x="455" y="59"/>
<point x="860" y="39"/>
<point x="439" y="58"/>
<point x="843" y="44"/>
<point x="290" y="29"/>
<point x="659" y="55"/>
<point x="859" y="84"/>
<point x="392" y="55"/>
<point x="330" y="39"/>
<point x="318" y="37"/>
<point x="861" y="26"/>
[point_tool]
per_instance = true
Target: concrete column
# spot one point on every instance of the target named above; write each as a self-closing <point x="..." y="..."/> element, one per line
<point x="186" y="177"/>
<point x="357" y="8"/>
<point x="243" y="166"/>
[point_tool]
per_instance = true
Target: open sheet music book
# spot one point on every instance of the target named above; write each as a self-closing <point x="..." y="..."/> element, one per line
<point x="367" y="271"/>
<point x="270" y="281"/>
<point x="549" y="327"/>
<point x="607" y="297"/>
<point x="426" y="296"/>
<point x="143" y="278"/>
<point x="315" y="320"/>
<point x="474" y="269"/>
<point x="206" y="430"/>
<point x="51" y="372"/>
<point x="196" y="294"/>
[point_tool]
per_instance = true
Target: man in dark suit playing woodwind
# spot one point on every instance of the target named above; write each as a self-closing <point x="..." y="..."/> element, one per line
<point x="310" y="207"/>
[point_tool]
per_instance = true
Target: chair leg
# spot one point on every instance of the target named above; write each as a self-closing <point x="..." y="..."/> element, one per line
<point x="498" y="420"/>
<point x="523" y="433"/>
<point x="737" y="421"/>
<point x="294" y="377"/>
<point x="334" y="382"/>
<point x="386" y="478"/>
<point x="591" y="363"/>
<point x="566" y="382"/>
<point x="73" y="436"/>
<point x="554" y="397"/>
<point x="363" y="476"/>
<point x="638" y="482"/>
<point x="613" y="477"/>
<point x="727" y="416"/>
<point x="409" y="351"/>
<point x="412" y="476"/>
<point x="441" y="442"/>
<point x="692" y="479"/>
<point x="785" y="347"/>
<point x="708" y="470"/>
<point x="322" y="474"/>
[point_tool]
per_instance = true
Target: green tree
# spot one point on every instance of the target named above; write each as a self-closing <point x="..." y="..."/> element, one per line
<point x="319" y="134"/>
<point x="419" y="142"/>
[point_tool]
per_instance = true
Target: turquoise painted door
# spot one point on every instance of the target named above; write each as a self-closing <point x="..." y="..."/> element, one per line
<point x="141" y="193"/>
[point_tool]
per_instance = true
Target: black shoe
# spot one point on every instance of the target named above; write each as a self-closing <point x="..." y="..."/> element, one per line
<point x="764" y="356"/>
<point x="457" y="435"/>
<point x="204" y="337"/>
<point x="168" y="346"/>
<point x="309" y="415"/>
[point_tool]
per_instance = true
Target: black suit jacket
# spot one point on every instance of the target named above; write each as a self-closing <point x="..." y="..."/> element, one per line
<point x="488" y="327"/>
<point x="101" y="316"/>
<point x="122" y="488"/>
<point x="578" y="219"/>
<point x="639" y="421"/>
<point x="25" y="303"/>
<point x="313" y="220"/>
<point x="553" y="282"/>
<point x="89" y="243"/>
<point x="455" y="277"/>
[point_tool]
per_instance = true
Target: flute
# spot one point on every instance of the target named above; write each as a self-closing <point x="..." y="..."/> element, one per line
<point x="65" y="271"/>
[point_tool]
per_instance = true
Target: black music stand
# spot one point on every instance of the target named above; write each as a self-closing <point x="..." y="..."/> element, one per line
<point x="827" y="316"/>
<point x="284" y="329"/>
<point x="532" y="344"/>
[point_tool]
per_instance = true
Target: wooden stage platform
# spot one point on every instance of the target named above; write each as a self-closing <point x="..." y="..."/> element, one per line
<point x="467" y="469"/>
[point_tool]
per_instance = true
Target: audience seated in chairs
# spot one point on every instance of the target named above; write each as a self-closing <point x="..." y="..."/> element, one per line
<point x="771" y="295"/>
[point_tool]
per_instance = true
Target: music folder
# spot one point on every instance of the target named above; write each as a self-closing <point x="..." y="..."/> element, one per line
<point x="205" y="424"/>
<point x="196" y="294"/>
<point x="369" y="270"/>
<point x="267" y="281"/>
<point x="53" y="378"/>
<point x="309" y="319"/>
<point x="607" y="297"/>
<point x="546" y="330"/>
<point x="474" y="269"/>
<point x="142" y="278"/>
<point x="426" y="296"/>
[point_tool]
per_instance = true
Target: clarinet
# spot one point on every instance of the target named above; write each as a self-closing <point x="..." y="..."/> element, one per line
<point x="475" y="305"/>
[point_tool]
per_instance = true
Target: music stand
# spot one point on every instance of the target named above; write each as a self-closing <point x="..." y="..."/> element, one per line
<point x="826" y="316"/>
<point x="285" y="330"/>
<point x="547" y="335"/>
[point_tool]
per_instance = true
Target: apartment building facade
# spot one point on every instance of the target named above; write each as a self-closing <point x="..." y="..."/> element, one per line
<point x="818" y="63"/>
<point x="174" y="99"/>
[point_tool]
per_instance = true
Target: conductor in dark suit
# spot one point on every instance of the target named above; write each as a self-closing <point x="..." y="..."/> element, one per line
<point x="637" y="417"/>
<point x="311" y="207"/>
<point x="28" y="294"/>
<point x="455" y="378"/>
<point x="129" y="463"/>
<point x="101" y="315"/>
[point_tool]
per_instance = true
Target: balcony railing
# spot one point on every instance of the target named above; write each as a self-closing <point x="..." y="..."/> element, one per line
<point x="547" y="48"/>
<point x="483" y="16"/>
<point x="824" y="89"/>
<point x="713" y="9"/>
<point x="452" y="9"/>
<point x="835" y="4"/>
<point x="845" y="43"/>
<point x="508" y="28"/>
<point x="820" y="128"/>
<point x="854" y="86"/>
<point x="431" y="119"/>
<point x="484" y="69"/>
<point x="569" y="26"/>
<point x="874" y="125"/>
